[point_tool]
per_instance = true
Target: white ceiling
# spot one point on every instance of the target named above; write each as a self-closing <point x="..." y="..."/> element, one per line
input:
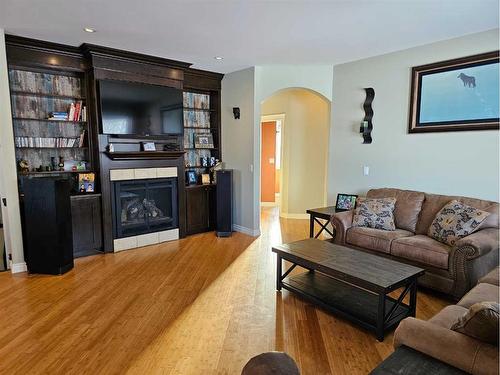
<point x="248" y="33"/>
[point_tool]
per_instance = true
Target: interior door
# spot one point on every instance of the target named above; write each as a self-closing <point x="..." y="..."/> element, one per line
<point x="268" y="160"/>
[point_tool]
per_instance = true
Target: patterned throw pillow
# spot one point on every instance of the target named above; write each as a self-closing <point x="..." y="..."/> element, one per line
<point x="375" y="213"/>
<point x="480" y="322"/>
<point x="456" y="220"/>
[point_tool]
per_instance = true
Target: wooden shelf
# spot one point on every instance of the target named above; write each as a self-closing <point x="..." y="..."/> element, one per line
<point x="199" y="128"/>
<point x="51" y="148"/>
<point x="139" y="155"/>
<point x="46" y="120"/>
<point x="196" y="167"/>
<point x="198" y="109"/>
<point x="43" y="95"/>
<point x="200" y="148"/>
<point x="197" y="186"/>
<point x="52" y="172"/>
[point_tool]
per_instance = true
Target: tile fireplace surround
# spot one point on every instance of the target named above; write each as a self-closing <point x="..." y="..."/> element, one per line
<point x="151" y="174"/>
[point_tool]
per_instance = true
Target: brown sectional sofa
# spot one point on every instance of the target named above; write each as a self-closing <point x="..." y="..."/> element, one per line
<point x="434" y="338"/>
<point x="452" y="270"/>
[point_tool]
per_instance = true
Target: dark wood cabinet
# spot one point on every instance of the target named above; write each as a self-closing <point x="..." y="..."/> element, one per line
<point x="87" y="226"/>
<point x="200" y="208"/>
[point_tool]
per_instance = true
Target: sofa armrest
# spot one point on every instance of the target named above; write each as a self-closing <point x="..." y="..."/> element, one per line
<point x="478" y="243"/>
<point x="342" y="221"/>
<point x="471" y="258"/>
<point x="456" y="349"/>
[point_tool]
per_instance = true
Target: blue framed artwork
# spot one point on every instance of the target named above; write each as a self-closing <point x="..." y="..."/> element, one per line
<point x="460" y="94"/>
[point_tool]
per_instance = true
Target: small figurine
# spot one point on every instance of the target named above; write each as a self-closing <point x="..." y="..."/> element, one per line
<point x="61" y="163"/>
<point x="53" y="163"/>
<point x="24" y="166"/>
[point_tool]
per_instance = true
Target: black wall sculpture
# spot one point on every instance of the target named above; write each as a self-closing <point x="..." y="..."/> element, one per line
<point x="367" y="126"/>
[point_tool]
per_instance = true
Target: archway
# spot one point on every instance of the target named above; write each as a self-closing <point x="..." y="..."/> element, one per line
<point x="304" y="118"/>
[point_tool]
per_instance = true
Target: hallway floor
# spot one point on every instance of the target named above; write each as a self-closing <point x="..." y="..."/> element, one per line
<point x="201" y="305"/>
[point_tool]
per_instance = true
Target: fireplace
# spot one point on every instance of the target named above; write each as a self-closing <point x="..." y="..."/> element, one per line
<point x="144" y="206"/>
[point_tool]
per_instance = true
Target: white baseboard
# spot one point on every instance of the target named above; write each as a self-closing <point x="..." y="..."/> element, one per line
<point x="18" y="267"/>
<point x="294" y="216"/>
<point x="268" y="204"/>
<point x="247" y="231"/>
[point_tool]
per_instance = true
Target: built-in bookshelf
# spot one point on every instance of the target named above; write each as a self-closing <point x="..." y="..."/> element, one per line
<point x="199" y="118"/>
<point x="49" y="115"/>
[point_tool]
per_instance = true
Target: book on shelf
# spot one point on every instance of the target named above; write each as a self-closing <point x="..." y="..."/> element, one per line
<point x="76" y="112"/>
<point x="196" y="101"/>
<point x="49" y="142"/>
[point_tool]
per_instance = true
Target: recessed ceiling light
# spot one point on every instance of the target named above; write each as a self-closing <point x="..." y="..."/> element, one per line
<point x="89" y="30"/>
<point x="219" y="58"/>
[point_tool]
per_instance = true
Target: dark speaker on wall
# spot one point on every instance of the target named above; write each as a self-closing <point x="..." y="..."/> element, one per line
<point x="48" y="239"/>
<point x="224" y="180"/>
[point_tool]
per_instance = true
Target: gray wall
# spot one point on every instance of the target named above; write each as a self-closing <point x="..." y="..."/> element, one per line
<point x="238" y="142"/>
<point x="461" y="163"/>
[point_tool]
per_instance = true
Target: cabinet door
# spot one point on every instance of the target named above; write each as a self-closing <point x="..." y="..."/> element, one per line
<point x="197" y="209"/>
<point x="87" y="228"/>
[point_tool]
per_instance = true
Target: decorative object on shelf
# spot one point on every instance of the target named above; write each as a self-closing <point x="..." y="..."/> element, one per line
<point x="61" y="163"/>
<point x="23" y="166"/>
<point x="148" y="146"/>
<point x="205" y="178"/>
<point x="53" y="163"/>
<point x="205" y="161"/>
<point x="458" y="94"/>
<point x="203" y="140"/>
<point x="213" y="161"/>
<point x="214" y="168"/>
<point x="111" y="148"/>
<point x="236" y="113"/>
<point x="367" y="126"/>
<point x="86" y="182"/>
<point x="345" y="202"/>
<point x="191" y="178"/>
<point x="81" y="166"/>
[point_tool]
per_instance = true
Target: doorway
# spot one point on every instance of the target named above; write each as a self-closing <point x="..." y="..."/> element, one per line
<point x="270" y="181"/>
<point x="300" y="165"/>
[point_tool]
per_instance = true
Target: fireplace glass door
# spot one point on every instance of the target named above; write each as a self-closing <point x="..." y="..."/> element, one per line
<point x="145" y="206"/>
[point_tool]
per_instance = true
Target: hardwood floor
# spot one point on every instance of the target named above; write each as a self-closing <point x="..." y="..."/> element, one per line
<point x="202" y="305"/>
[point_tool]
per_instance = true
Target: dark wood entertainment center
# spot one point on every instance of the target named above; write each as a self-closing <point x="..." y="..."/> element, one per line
<point x="91" y="212"/>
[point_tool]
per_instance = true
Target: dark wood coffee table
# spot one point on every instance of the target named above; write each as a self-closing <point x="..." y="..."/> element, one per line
<point x="349" y="282"/>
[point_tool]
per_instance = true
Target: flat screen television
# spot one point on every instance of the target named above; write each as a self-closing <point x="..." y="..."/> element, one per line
<point x="138" y="109"/>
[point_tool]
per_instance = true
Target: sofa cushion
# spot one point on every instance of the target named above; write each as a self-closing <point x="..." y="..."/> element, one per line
<point x="374" y="239"/>
<point x="448" y="316"/>
<point x="480" y="293"/>
<point x="433" y="203"/>
<point x="454" y="221"/>
<point x="374" y="213"/>
<point x="480" y="321"/>
<point x="493" y="277"/>
<point x="408" y="205"/>
<point x="422" y="249"/>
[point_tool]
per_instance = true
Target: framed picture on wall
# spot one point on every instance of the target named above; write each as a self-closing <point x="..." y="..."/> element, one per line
<point x="345" y="202"/>
<point x="452" y="95"/>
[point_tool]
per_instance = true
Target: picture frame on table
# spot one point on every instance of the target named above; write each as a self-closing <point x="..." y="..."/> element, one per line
<point x="455" y="95"/>
<point x="345" y="202"/>
<point x="148" y="146"/>
<point x="191" y="177"/>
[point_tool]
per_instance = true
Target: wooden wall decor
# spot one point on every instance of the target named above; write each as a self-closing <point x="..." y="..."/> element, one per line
<point x="367" y="126"/>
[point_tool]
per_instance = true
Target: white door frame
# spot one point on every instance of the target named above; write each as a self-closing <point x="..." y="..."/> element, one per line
<point x="268" y="118"/>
